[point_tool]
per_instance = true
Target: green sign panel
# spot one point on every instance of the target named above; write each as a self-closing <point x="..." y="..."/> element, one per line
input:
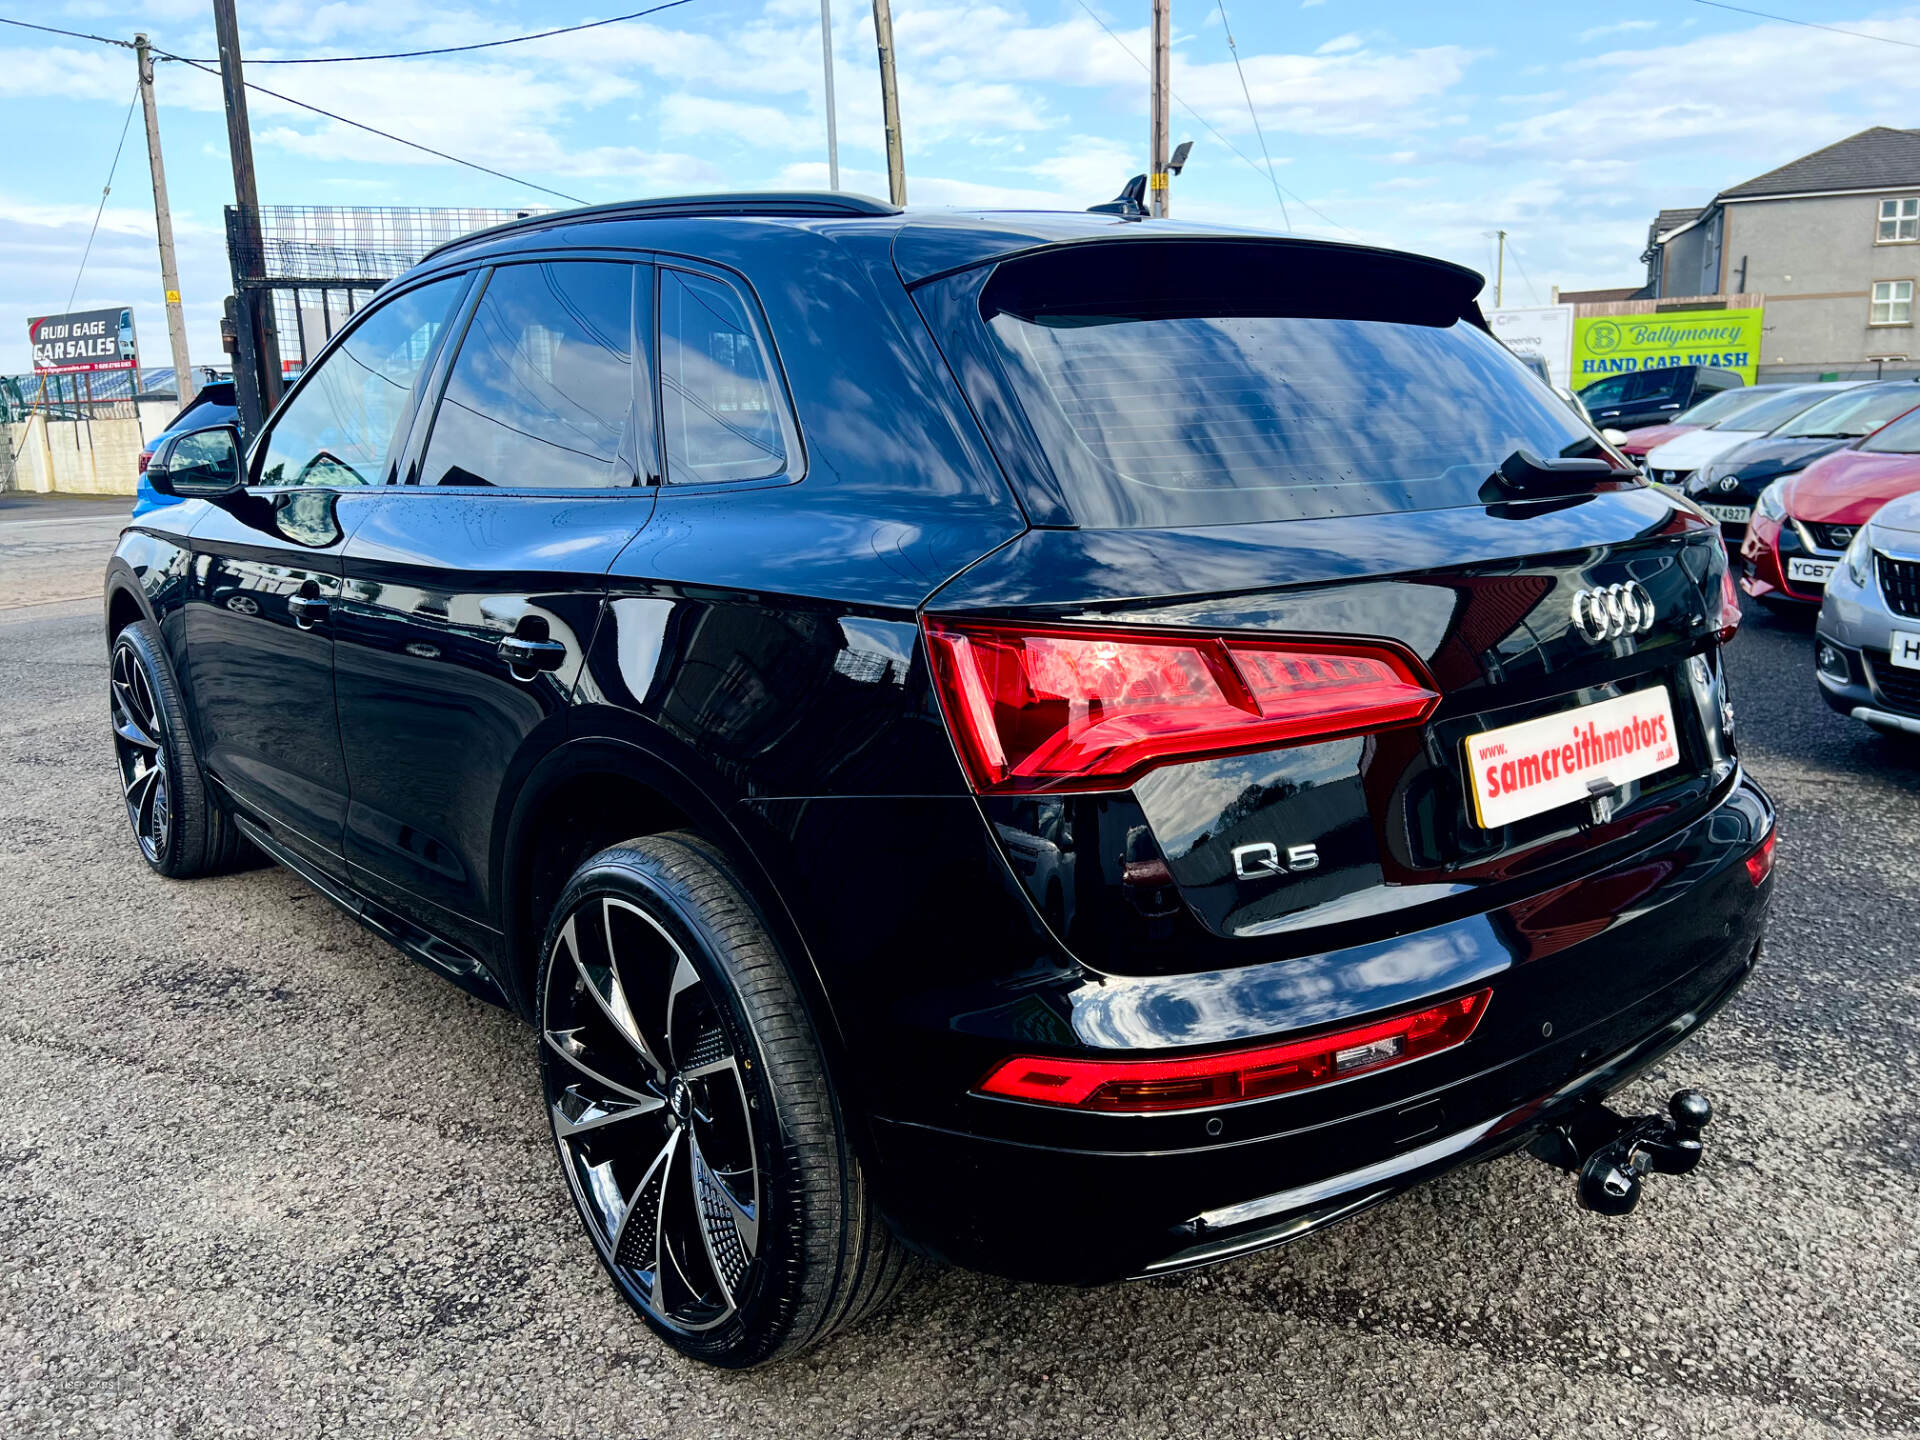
<point x="1620" y="344"/>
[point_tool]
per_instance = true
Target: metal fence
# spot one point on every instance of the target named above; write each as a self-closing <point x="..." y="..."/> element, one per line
<point x="321" y="263"/>
<point x="104" y="395"/>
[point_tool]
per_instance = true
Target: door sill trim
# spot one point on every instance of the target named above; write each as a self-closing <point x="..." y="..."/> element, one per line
<point x="415" y="941"/>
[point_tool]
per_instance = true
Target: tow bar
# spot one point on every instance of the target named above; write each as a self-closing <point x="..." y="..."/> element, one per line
<point x="1611" y="1153"/>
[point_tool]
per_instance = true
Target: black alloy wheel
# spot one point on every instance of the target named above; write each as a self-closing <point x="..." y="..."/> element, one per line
<point x="692" y="1115"/>
<point x="650" y="1110"/>
<point x="181" y="830"/>
<point x="140" y="744"/>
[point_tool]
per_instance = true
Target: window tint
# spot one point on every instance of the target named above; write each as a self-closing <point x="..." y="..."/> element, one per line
<point x="1902" y="437"/>
<point x="1172" y="385"/>
<point x="541" y="395"/>
<point x="1770" y="415"/>
<point x="1722" y="407"/>
<point x="1610" y="391"/>
<point x="1853" y="412"/>
<point x="723" y="418"/>
<point x="340" y="425"/>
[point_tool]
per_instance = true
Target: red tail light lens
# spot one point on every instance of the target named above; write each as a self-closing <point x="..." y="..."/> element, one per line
<point x="1760" y="862"/>
<point x="145" y="456"/>
<point x="1066" y="708"/>
<point x="1728" y="621"/>
<point x="1145" y="1085"/>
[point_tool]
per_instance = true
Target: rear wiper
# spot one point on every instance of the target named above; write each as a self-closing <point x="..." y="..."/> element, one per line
<point x="1524" y="474"/>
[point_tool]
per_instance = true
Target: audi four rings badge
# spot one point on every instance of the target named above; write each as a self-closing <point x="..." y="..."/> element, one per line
<point x="1613" y="612"/>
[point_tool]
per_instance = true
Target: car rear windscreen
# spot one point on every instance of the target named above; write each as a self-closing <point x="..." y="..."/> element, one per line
<point x="1203" y="383"/>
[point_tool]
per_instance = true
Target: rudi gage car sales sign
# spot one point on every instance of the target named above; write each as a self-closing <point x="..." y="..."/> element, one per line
<point x="84" y="340"/>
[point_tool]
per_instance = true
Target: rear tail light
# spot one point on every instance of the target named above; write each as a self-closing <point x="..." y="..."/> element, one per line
<point x="145" y="456"/>
<point x="1070" y="708"/>
<point x="1728" y="620"/>
<point x="1760" y="862"/>
<point x="1187" y="1084"/>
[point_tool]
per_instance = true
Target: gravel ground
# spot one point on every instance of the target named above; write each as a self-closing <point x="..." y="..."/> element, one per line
<point x="260" y="1175"/>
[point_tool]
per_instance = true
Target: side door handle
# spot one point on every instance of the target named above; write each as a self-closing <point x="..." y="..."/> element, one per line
<point x="526" y="654"/>
<point x="307" y="610"/>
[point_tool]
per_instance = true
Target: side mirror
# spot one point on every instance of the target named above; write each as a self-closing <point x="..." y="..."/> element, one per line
<point x="201" y="463"/>
<point x="1613" y="436"/>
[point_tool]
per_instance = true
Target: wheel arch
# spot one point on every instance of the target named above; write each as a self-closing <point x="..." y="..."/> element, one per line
<point x="125" y="601"/>
<point x="595" y="791"/>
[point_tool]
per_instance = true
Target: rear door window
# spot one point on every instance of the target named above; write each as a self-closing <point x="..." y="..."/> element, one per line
<point x="541" y="395"/>
<point x="1205" y="383"/>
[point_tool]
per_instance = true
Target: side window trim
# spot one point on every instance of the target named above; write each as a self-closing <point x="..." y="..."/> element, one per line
<point x="788" y="416"/>
<point x="258" y="452"/>
<point x="406" y="475"/>
<point x="405" y="472"/>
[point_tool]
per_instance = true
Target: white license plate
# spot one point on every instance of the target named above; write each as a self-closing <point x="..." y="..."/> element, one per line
<point x="1814" y="572"/>
<point x="1538" y="765"/>
<point x="1731" y="514"/>
<point x="1905" y="649"/>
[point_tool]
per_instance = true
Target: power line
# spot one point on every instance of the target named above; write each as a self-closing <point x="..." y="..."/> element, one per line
<point x="1521" y="266"/>
<point x="105" y="190"/>
<point x="1808" y="24"/>
<point x="1252" y="164"/>
<point x="387" y="135"/>
<point x="456" y="49"/>
<point x="1234" y="50"/>
<point x="70" y="34"/>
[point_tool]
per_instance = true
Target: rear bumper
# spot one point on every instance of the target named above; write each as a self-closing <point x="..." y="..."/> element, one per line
<point x="1084" y="1199"/>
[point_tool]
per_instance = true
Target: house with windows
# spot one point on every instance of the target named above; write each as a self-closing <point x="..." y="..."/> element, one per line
<point x="1832" y="240"/>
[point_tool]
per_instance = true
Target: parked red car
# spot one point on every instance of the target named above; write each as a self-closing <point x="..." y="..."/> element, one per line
<point x="1803" y="523"/>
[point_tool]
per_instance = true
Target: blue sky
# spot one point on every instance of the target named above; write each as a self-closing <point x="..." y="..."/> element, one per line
<point x="1417" y="125"/>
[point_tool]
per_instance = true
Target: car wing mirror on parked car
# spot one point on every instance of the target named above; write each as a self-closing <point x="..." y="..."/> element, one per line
<point x="201" y="463"/>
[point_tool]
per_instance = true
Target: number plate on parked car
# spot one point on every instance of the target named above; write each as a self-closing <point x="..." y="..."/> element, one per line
<point x="1729" y="514"/>
<point x="1904" y="650"/>
<point x="1538" y="765"/>
<point x="1814" y="572"/>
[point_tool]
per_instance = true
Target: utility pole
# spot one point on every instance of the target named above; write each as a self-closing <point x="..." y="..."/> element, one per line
<point x="1500" y="273"/>
<point x="256" y="371"/>
<point x="826" y="59"/>
<point x="1161" y="71"/>
<point x="890" y="101"/>
<point x="163" y="222"/>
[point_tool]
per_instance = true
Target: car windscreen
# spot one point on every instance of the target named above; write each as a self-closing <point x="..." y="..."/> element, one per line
<point x="1723" y="408"/>
<point x="1208" y="383"/>
<point x="1777" y="410"/>
<point x="1902" y="437"/>
<point x="1852" y="413"/>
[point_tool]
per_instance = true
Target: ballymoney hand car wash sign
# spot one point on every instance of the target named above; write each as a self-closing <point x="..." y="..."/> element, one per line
<point x="1616" y="344"/>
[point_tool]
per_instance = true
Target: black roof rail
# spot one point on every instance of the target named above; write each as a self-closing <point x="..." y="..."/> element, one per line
<point x="798" y="203"/>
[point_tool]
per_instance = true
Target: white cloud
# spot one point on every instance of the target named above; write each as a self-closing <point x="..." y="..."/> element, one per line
<point x="1619" y="27"/>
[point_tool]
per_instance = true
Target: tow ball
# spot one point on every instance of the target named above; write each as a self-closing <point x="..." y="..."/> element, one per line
<point x="1612" y="1153"/>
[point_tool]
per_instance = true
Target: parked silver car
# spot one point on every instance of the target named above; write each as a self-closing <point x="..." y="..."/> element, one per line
<point x="1867" y="644"/>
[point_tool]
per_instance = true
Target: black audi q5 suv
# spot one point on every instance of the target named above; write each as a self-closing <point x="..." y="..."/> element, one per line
<point x="1070" y="746"/>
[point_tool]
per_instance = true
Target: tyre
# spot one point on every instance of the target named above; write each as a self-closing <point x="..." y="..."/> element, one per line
<point x="691" y="1111"/>
<point x="180" y="828"/>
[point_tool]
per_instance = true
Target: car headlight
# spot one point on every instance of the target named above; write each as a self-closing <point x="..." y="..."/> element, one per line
<point x="1859" y="558"/>
<point x="1772" y="503"/>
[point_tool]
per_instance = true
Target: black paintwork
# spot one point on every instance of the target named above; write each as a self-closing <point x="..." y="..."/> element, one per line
<point x="1754" y="465"/>
<point x="745" y="659"/>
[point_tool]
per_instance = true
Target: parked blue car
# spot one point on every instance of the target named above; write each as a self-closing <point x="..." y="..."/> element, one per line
<point x="213" y="405"/>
